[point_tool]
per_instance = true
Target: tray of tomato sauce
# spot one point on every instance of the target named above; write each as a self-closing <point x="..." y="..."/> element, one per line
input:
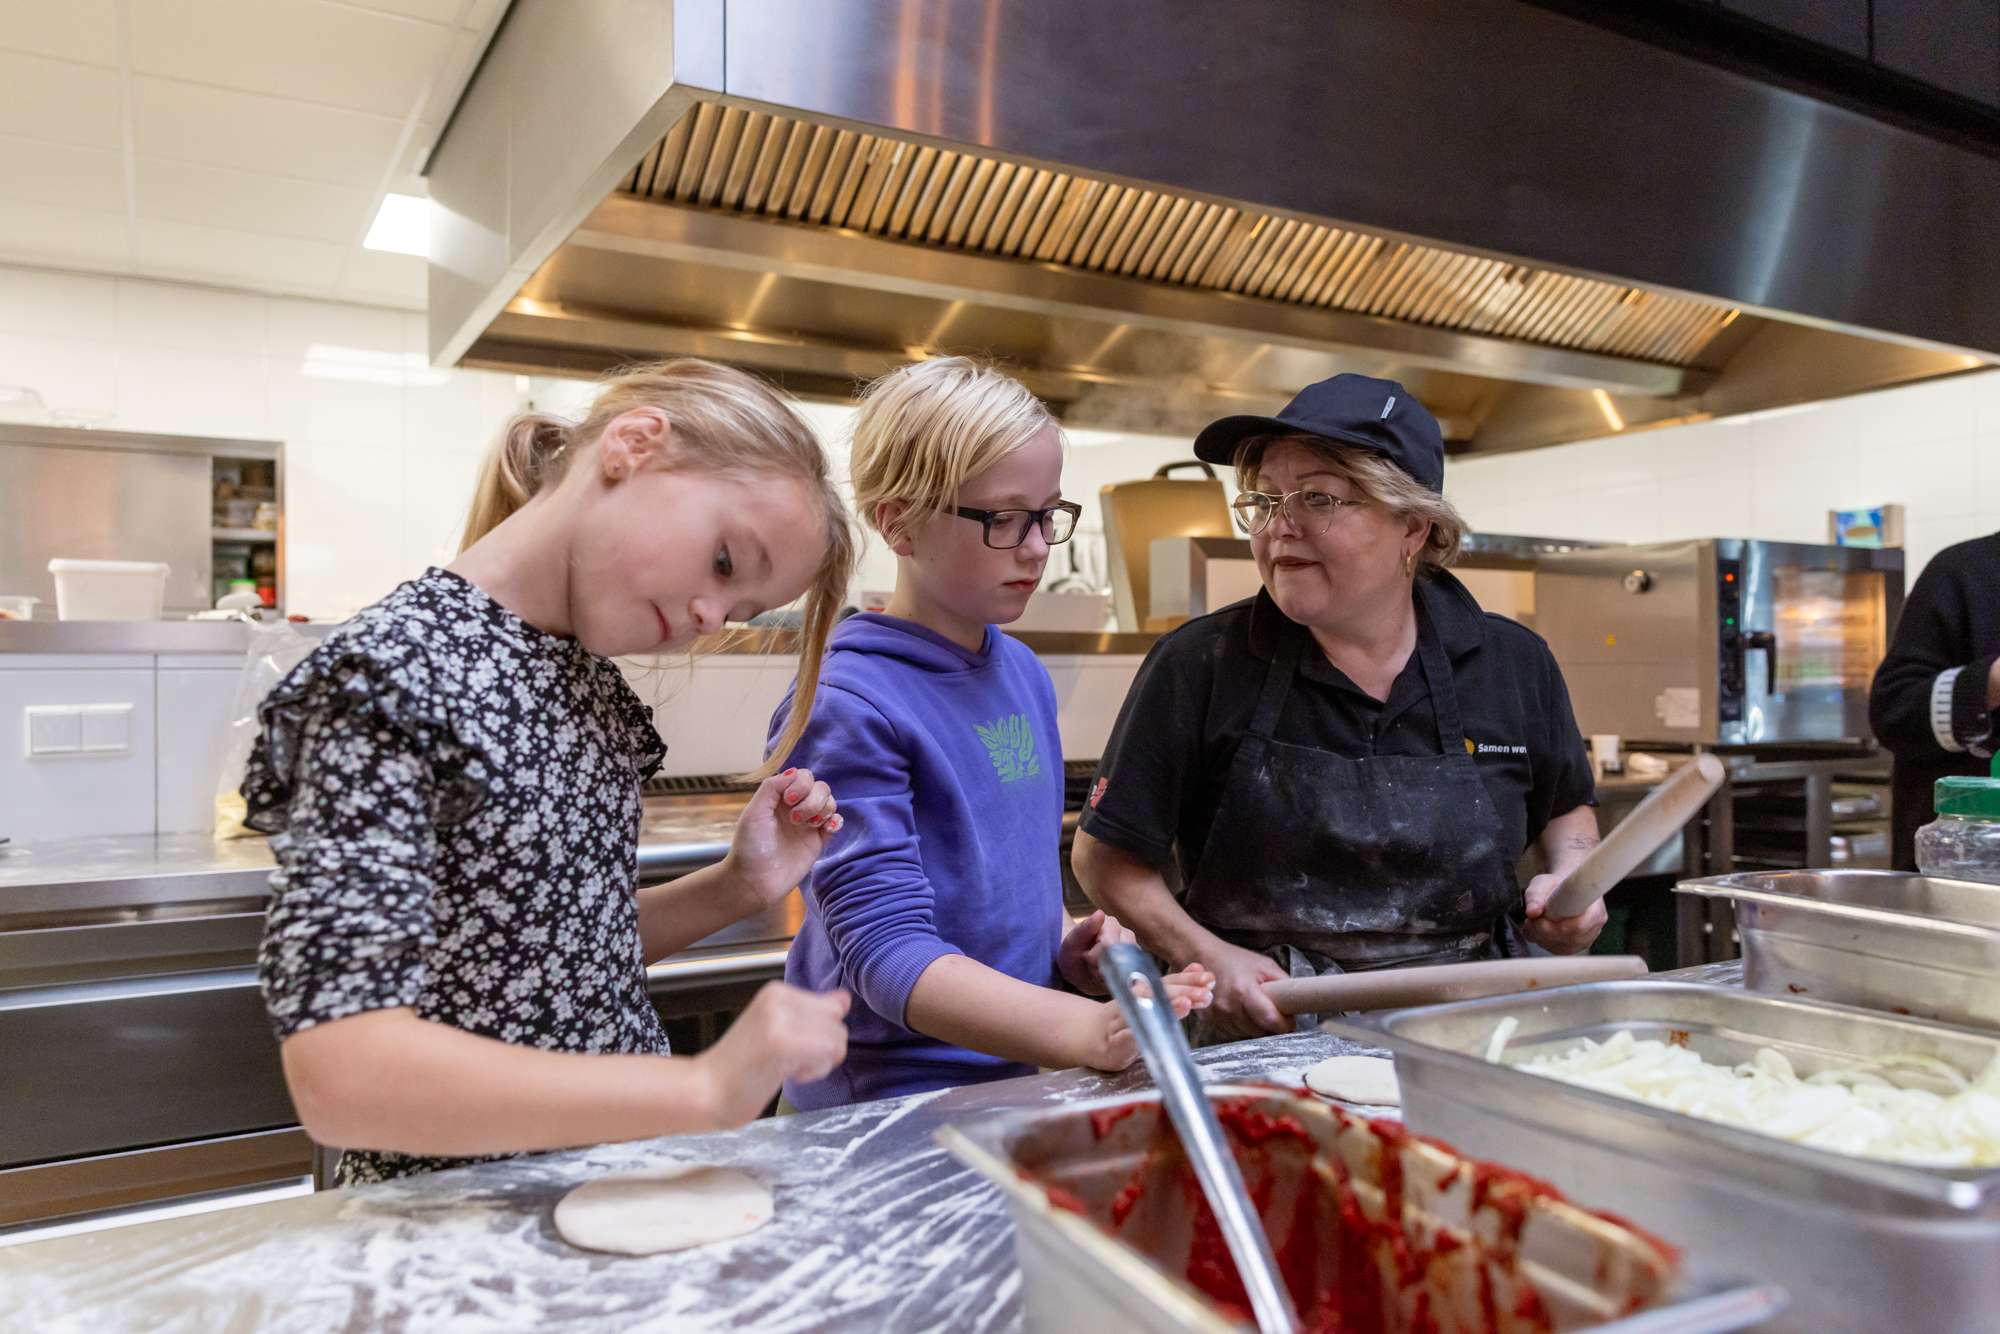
<point x="1376" y="1230"/>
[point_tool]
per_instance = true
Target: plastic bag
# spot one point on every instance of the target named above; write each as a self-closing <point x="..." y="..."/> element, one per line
<point x="274" y="650"/>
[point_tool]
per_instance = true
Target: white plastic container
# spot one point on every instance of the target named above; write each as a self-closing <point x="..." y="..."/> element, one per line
<point x="17" y="608"/>
<point x="109" y="590"/>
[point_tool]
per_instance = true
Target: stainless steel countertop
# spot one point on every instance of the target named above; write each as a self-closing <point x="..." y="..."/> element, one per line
<point x="876" y="1229"/>
<point x="170" y="874"/>
<point x="128" y="636"/>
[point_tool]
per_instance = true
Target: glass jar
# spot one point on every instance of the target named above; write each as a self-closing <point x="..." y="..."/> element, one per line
<point x="1963" y="843"/>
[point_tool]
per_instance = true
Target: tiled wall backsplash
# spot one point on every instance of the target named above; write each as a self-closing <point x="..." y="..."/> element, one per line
<point x="1933" y="448"/>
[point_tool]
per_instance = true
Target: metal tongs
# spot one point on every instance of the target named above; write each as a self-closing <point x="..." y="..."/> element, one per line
<point x="1142" y="997"/>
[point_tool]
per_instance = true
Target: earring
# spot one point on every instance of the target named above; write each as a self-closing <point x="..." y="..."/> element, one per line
<point x="1410" y="565"/>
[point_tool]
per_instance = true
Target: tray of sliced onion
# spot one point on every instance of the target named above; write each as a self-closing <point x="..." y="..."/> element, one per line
<point x="1849" y="1155"/>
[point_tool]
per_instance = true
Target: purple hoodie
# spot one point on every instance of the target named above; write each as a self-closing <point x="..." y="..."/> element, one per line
<point x="948" y="769"/>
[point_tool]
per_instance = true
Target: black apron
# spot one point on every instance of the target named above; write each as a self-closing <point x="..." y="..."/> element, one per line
<point x="1326" y="863"/>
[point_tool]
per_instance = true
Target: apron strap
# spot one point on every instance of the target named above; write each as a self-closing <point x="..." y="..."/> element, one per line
<point x="1277" y="682"/>
<point x="1437" y="676"/>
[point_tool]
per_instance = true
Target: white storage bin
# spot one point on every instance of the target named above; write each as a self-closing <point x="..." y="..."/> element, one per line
<point x="109" y="590"/>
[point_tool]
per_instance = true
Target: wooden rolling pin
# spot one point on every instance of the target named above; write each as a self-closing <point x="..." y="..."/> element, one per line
<point x="1652" y="822"/>
<point x="1394" y="988"/>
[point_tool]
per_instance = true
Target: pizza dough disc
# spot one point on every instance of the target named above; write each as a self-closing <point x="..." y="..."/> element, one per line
<point x="1369" y="1080"/>
<point x="641" y="1213"/>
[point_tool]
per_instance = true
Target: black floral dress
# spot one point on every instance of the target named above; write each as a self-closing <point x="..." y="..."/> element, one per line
<point x="453" y="799"/>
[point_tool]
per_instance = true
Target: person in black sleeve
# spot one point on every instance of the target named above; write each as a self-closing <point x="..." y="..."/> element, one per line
<point x="1344" y="769"/>
<point x="1936" y="699"/>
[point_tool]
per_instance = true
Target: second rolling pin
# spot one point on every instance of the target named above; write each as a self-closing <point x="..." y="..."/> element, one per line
<point x="1394" y="988"/>
<point x="1652" y="822"/>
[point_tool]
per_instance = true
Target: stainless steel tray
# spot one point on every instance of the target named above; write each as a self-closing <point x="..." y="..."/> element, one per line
<point x="1063" y="1171"/>
<point x="1909" y="944"/>
<point x="1860" y="1245"/>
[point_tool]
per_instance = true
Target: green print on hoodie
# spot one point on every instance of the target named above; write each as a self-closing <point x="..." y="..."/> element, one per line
<point x="1010" y="744"/>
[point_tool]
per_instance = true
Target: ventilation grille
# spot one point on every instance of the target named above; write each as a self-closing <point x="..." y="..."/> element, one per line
<point x="755" y="163"/>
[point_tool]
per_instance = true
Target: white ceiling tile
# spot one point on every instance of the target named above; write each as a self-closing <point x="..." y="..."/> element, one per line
<point x="35" y="171"/>
<point x="64" y="235"/>
<point x="375" y="275"/>
<point x="61" y="305"/>
<point x="84" y="30"/>
<point x="328" y="54"/>
<point x="173" y="315"/>
<point x="253" y="132"/>
<point x="484" y="14"/>
<point x="239" y="259"/>
<point x="430" y="11"/>
<point x="55" y="99"/>
<point x="251" y="201"/>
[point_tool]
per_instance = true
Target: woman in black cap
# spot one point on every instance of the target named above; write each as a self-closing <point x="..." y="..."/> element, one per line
<point x="1344" y="769"/>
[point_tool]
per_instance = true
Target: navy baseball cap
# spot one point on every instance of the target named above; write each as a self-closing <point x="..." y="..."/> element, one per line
<point x="1376" y="415"/>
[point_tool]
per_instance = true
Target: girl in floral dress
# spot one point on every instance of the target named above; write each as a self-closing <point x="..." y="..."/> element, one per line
<point x="454" y="955"/>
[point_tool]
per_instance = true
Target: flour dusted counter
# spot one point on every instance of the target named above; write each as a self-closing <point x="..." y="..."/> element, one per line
<point x="137" y="1062"/>
<point x="876" y="1229"/>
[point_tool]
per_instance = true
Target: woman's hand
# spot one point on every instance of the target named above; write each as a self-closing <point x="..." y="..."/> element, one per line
<point x="1110" y="1045"/>
<point x="784" y="1033"/>
<point x="1084" y="944"/>
<point x="1560" y="935"/>
<point x="1242" y="1008"/>
<point x="779" y="836"/>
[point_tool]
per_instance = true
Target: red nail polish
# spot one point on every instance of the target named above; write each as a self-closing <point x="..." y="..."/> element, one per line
<point x="792" y="797"/>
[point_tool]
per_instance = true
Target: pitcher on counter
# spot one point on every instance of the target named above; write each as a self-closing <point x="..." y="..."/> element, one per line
<point x="1344" y="769"/>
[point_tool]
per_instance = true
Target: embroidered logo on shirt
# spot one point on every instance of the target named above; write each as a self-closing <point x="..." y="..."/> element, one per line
<point x="1097" y="792"/>
<point x="1010" y="744"/>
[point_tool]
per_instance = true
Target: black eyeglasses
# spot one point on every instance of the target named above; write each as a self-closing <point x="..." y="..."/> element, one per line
<point x="1007" y="529"/>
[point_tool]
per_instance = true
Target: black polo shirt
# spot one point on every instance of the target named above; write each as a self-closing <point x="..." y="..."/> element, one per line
<point x="1164" y="768"/>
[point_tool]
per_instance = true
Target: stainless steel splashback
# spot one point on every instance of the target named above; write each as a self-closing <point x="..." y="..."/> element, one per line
<point x="109" y="495"/>
<point x="1721" y="641"/>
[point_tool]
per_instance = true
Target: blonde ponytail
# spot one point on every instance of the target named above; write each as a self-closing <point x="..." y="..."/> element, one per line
<point x="725" y="421"/>
<point x="532" y="453"/>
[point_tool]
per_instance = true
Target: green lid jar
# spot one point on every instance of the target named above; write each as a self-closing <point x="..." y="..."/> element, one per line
<point x="1963" y="843"/>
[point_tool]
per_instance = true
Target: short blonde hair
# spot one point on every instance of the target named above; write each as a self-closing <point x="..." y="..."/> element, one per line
<point x="725" y="421"/>
<point x="926" y="427"/>
<point x="1377" y="480"/>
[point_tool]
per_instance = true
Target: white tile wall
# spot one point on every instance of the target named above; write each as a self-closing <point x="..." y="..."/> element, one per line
<point x="380" y="450"/>
<point x="1933" y="448"/>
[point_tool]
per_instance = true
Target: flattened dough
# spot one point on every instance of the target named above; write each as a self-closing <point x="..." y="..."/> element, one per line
<point x="641" y="1213"/>
<point x="1369" y="1080"/>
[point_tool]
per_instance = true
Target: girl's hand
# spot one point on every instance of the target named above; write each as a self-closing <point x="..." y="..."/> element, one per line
<point x="1110" y="1044"/>
<point x="779" y="836"/>
<point x="784" y="1033"/>
<point x="1077" y="959"/>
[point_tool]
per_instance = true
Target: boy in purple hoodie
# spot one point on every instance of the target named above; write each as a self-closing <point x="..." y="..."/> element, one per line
<point x="939" y="904"/>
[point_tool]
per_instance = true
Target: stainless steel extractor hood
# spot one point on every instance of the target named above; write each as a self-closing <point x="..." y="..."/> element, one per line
<point x="1156" y="215"/>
